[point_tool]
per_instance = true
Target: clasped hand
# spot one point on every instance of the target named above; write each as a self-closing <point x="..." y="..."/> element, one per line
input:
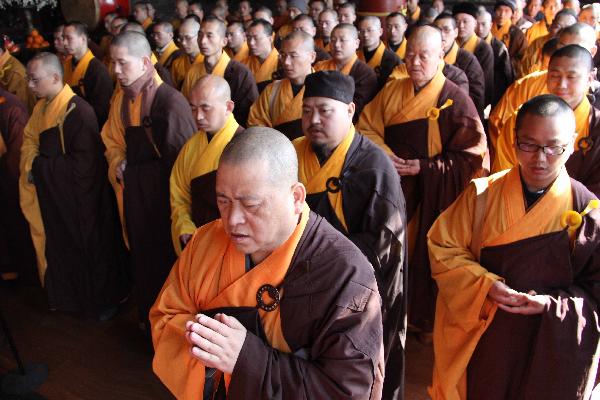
<point x="514" y="302"/>
<point x="406" y="167"/>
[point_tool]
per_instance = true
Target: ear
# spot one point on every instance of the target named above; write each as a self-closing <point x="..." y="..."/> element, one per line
<point x="313" y="57"/>
<point x="230" y="105"/>
<point x="351" y="110"/>
<point x="224" y="42"/>
<point x="299" y="195"/>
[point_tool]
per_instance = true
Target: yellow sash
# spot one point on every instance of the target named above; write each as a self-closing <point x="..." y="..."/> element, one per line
<point x="488" y="38"/>
<point x="375" y="61"/>
<point x="416" y="15"/>
<point x="315" y="176"/>
<point x="241" y="55"/>
<point x="164" y="56"/>
<point x="537" y="30"/>
<point x="502" y="34"/>
<point x="208" y="158"/>
<point x="264" y="72"/>
<point x="4" y="67"/>
<point x="319" y="43"/>
<point x="471" y="43"/>
<point x="401" y="52"/>
<point x="147" y="22"/>
<point x="329" y="65"/>
<point x="197" y="71"/>
<point x="450" y="58"/>
<point x="582" y="120"/>
<point x="74" y="77"/>
<point x="423" y="105"/>
<point x="287" y="107"/>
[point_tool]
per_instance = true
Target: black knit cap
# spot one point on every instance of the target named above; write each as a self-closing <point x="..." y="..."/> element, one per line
<point x="509" y="3"/>
<point x="465" y="7"/>
<point x="330" y="84"/>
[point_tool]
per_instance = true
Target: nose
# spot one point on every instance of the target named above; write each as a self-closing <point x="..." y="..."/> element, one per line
<point x="315" y="118"/>
<point x="236" y="216"/>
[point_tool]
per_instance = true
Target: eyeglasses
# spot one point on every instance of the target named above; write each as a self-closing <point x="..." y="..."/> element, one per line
<point x="556" y="150"/>
<point x="35" y="81"/>
<point x="189" y="38"/>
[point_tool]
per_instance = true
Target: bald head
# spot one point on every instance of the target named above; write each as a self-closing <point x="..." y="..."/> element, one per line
<point x="189" y="25"/>
<point x="579" y="33"/>
<point x="136" y="44"/>
<point x="134" y="27"/>
<point x="210" y="101"/>
<point x="301" y="40"/>
<point x="579" y="56"/>
<point x="48" y="62"/>
<point x="215" y="85"/>
<point x="45" y="75"/>
<point x="351" y="29"/>
<point x="426" y="36"/>
<point x="261" y="144"/>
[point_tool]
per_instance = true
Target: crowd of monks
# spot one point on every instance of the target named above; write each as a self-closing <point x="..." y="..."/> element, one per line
<point x="286" y="195"/>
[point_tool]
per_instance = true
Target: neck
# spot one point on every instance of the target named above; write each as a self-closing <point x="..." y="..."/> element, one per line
<point x="420" y="85"/>
<point x="193" y="56"/>
<point x="264" y="56"/>
<point x="372" y="48"/>
<point x="299" y="80"/>
<point x="236" y="49"/>
<point x="162" y="49"/>
<point x="212" y="60"/>
<point x="259" y="256"/>
<point x="398" y="43"/>
<point x="464" y="40"/>
<point x="54" y="93"/>
<point x="78" y="56"/>
<point x="341" y="63"/>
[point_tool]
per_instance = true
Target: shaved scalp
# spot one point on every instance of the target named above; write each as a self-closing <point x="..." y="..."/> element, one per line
<point x="133" y="27"/>
<point x="566" y="12"/>
<point x="371" y="19"/>
<point x="136" y="44"/>
<point x="586" y="33"/>
<point x="429" y="34"/>
<point x="546" y="106"/>
<point x="80" y="27"/>
<point x="396" y="14"/>
<point x="485" y="14"/>
<point x="49" y="62"/>
<point x="165" y="25"/>
<point x="307" y="41"/>
<point x="221" y="28"/>
<point x="347" y="4"/>
<point x="264" y="144"/>
<point x="331" y="12"/>
<point x="267" y="27"/>
<point x="217" y="85"/>
<point x="446" y="15"/>
<point x="575" y="52"/>
<point x="550" y="47"/>
<point x="191" y="23"/>
<point x="236" y="24"/>
<point x="305" y="17"/>
<point x="349" y="27"/>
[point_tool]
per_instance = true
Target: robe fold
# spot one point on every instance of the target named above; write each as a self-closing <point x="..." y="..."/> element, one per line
<point x="482" y="351"/>
<point x="86" y="258"/>
<point x="365" y="80"/>
<point x="244" y="91"/>
<point x="12" y="79"/>
<point x="468" y="63"/>
<point x="438" y="126"/>
<point x="401" y="50"/>
<point x="263" y="71"/>
<point x="168" y="55"/>
<point x="382" y="62"/>
<point x="150" y="144"/>
<point x="514" y="40"/>
<point x="180" y="67"/>
<point x="241" y="56"/>
<point x="503" y="71"/>
<point x="323" y="341"/>
<point x="91" y="80"/>
<point x="368" y="208"/>
<point x="17" y="255"/>
<point x="485" y="56"/>
<point x="278" y="108"/>
<point x="537" y="30"/>
<point x="192" y="182"/>
<point x="533" y="57"/>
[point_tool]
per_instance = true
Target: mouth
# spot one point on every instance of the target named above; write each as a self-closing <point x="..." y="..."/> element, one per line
<point x="239" y="237"/>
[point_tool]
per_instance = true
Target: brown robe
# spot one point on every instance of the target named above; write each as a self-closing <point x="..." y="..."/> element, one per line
<point x="164" y="74"/>
<point x="439" y="182"/>
<point x="84" y="248"/>
<point x="169" y="61"/>
<point x="503" y="72"/>
<point x="517" y="46"/>
<point x="485" y="55"/>
<point x="469" y="64"/>
<point x="331" y="320"/>
<point x="96" y="88"/>
<point x="546" y="356"/>
<point x="244" y="91"/>
<point x="17" y="254"/>
<point x="457" y="76"/>
<point x="146" y="193"/>
<point x="583" y="165"/>
<point x="389" y="60"/>
<point x="365" y="85"/>
<point x="375" y="211"/>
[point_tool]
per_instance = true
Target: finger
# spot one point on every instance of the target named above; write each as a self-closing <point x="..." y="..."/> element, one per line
<point x="532" y="293"/>
<point x="209" y="334"/>
<point x="205" y="344"/>
<point x="208" y="359"/>
<point x="231" y="322"/>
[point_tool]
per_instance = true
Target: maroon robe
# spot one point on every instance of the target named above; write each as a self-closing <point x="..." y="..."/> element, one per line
<point x="365" y="85"/>
<point x="583" y="165"/>
<point x="546" y="356"/>
<point x="469" y="64"/>
<point x="96" y="87"/>
<point x="244" y="91"/>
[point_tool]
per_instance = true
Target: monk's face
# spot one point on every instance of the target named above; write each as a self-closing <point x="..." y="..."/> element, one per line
<point x="235" y="36"/>
<point x="325" y="121"/>
<point x="534" y="7"/>
<point x="259" y="42"/>
<point x="140" y="13"/>
<point x="327" y="21"/>
<point x="316" y="7"/>
<point x="209" y="109"/>
<point x="449" y="32"/>
<point x="75" y="43"/>
<point x="161" y="36"/>
<point x="117" y="25"/>
<point x="538" y="169"/>
<point x="59" y="43"/>
<point x="188" y="38"/>
<point x="305" y="26"/>
<point x="260" y="14"/>
<point x="296" y="58"/>
<point x="370" y="34"/>
<point x="346" y="15"/>
<point x="587" y="16"/>
<point x="211" y="39"/>
<point x="502" y="15"/>
<point x="568" y="79"/>
<point x="128" y="68"/>
<point x="422" y="59"/>
<point x="587" y="41"/>
<point x="395" y="28"/>
<point x="551" y="7"/>
<point x="466" y="25"/>
<point x="255" y="211"/>
<point x="343" y="45"/>
<point x="484" y="25"/>
<point x="245" y="8"/>
<point x="41" y="81"/>
<point x="181" y="9"/>
<point x="561" y="22"/>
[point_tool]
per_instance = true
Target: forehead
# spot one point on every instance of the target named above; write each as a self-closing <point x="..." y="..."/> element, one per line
<point x="210" y="26"/>
<point x="444" y="22"/>
<point x="257" y="29"/>
<point x="70" y="30"/>
<point x="245" y="178"/>
<point x="367" y="23"/>
<point x="327" y="16"/>
<point x="35" y="67"/>
<point x="557" y="128"/>
<point x="568" y="63"/>
<point x="291" y="45"/>
<point x="464" y="17"/>
<point x="187" y="29"/>
<point x="202" y="95"/>
<point x="341" y="33"/>
<point x="321" y="102"/>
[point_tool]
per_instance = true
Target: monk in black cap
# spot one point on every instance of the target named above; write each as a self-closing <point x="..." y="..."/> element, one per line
<point x="352" y="183"/>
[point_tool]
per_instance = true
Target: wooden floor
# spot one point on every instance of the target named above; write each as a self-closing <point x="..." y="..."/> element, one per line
<point x="112" y="360"/>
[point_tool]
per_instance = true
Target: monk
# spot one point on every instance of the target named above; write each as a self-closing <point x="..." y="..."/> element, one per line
<point x="141" y="14"/>
<point x="373" y="51"/>
<point x="237" y="47"/>
<point x="570" y="75"/>
<point x="280" y="104"/>
<point x="181" y="11"/>
<point x="395" y="26"/>
<point x="347" y="13"/>
<point x="503" y="71"/>
<point x="166" y="50"/>
<point x="465" y="16"/>
<point x="431" y="131"/>
<point x="193" y="198"/>
<point x="328" y="19"/>
<point x="263" y="58"/>
<point x="535" y="84"/>
<point x="17" y="255"/>
<point x="352" y="183"/>
<point x="532" y="59"/>
<point x="270" y="295"/>
<point x="518" y="277"/>
<point x="59" y="42"/>
<point x="212" y="41"/>
<point x="503" y="30"/>
<point x="86" y="74"/>
<point x="462" y="59"/>
<point x="67" y="200"/>
<point x="305" y="23"/>
<point x="542" y="28"/>
<point x="413" y="11"/>
<point x="12" y="78"/>
<point x="148" y="124"/>
<point x="315" y="7"/>
<point x="344" y="43"/>
<point x="188" y="38"/>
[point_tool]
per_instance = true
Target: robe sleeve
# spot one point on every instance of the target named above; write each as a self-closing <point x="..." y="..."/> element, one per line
<point x="463" y="310"/>
<point x="259" y="112"/>
<point x="505" y="155"/>
<point x="113" y="136"/>
<point x="181" y="198"/>
<point x="98" y="89"/>
<point x="244" y="92"/>
<point x="372" y="123"/>
<point x="16" y="119"/>
<point x="365" y="87"/>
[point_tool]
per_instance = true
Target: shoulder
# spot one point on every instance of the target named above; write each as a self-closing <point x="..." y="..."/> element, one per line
<point x="169" y="97"/>
<point x="361" y="70"/>
<point x="237" y="67"/>
<point x="390" y="56"/>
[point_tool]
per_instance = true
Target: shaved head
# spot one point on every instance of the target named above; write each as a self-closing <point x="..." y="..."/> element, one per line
<point x="220" y="25"/>
<point x="190" y="25"/>
<point x="267" y="145"/>
<point x="216" y="85"/>
<point x="305" y="41"/>
<point x="582" y="56"/>
<point x="425" y="46"/>
<point x="579" y="33"/>
<point x="136" y="43"/>
<point x="48" y="62"/>
<point x="133" y="27"/>
<point x="426" y="35"/>
<point x="375" y="21"/>
<point x="348" y="27"/>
